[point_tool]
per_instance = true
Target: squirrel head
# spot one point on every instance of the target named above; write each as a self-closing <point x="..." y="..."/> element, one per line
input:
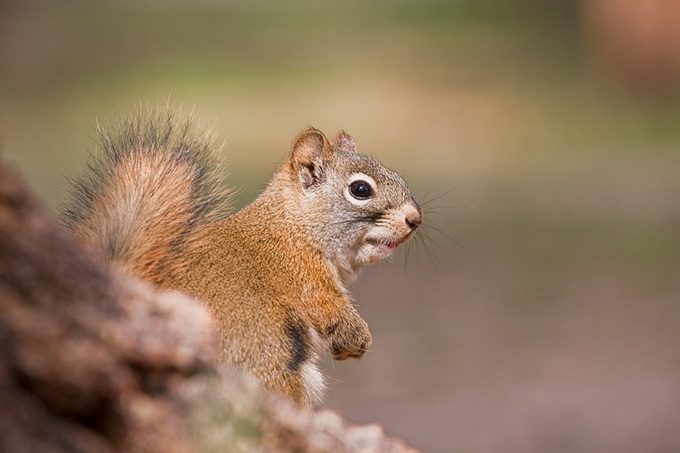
<point x="355" y="210"/>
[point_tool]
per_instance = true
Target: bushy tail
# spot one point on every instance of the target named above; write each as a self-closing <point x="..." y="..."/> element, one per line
<point x="143" y="200"/>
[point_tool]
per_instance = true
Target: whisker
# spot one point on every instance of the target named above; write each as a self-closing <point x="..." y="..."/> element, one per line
<point x="447" y="236"/>
<point x="440" y="247"/>
<point x="408" y="253"/>
<point x="427" y="242"/>
<point x="425" y="195"/>
<point x="440" y="213"/>
<point x="426" y="202"/>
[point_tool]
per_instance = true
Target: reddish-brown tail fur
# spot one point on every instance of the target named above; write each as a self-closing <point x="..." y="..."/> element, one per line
<point x="145" y="196"/>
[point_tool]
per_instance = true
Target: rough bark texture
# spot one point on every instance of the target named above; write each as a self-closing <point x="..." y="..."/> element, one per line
<point x="94" y="361"/>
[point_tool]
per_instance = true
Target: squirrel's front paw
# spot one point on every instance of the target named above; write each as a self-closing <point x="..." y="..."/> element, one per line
<point x="349" y="338"/>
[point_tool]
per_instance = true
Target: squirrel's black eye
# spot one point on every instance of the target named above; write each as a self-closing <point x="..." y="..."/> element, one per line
<point x="361" y="190"/>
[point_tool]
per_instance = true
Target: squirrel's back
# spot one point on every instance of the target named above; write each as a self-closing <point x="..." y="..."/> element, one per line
<point x="155" y="182"/>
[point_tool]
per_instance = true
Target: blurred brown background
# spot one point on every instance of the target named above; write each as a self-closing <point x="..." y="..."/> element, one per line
<point x="542" y="313"/>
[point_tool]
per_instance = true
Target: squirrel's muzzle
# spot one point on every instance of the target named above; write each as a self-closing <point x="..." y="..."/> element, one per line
<point x="413" y="216"/>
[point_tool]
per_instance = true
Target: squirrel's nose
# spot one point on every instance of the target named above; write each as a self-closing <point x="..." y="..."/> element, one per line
<point x="413" y="217"/>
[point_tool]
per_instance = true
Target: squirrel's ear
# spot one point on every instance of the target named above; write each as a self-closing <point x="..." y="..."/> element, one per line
<point x="310" y="149"/>
<point x="343" y="142"/>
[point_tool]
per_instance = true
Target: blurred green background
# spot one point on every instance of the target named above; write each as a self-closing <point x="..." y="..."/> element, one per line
<point x="541" y="309"/>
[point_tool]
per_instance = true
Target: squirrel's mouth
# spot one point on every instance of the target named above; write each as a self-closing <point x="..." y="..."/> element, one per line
<point x="384" y="247"/>
<point x="377" y="247"/>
